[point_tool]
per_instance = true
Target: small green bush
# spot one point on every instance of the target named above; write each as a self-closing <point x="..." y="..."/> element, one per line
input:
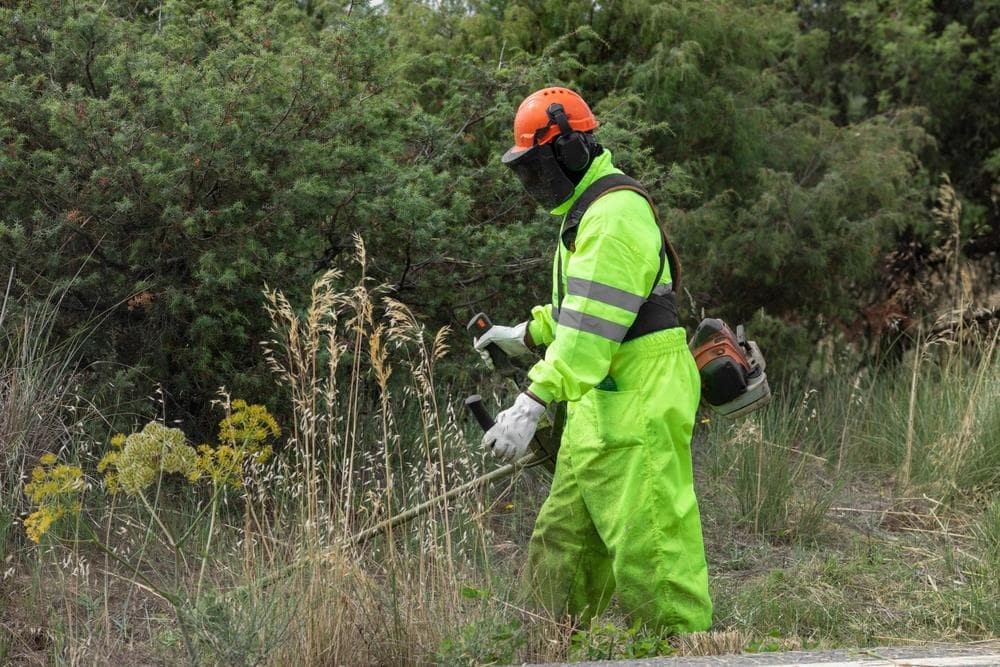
<point x="609" y="641"/>
<point x="488" y="641"/>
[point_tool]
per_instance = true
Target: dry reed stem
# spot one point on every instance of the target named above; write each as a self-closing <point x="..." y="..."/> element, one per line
<point x="338" y="416"/>
<point x="911" y="417"/>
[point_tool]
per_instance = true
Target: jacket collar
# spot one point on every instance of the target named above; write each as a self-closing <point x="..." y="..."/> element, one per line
<point x="601" y="166"/>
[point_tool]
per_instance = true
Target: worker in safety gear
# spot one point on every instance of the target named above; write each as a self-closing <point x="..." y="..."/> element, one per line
<point x="621" y="515"/>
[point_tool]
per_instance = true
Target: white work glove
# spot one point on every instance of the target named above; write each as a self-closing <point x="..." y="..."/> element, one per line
<point x="514" y="429"/>
<point x="510" y="340"/>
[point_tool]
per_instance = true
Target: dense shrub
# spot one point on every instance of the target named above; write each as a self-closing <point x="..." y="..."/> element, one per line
<point x="162" y="162"/>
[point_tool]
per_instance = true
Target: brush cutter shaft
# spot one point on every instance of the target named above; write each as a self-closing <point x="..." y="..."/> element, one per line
<point x="475" y="405"/>
<point x="424" y="507"/>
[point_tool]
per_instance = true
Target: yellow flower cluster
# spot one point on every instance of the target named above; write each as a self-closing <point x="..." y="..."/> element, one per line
<point x="248" y="428"/>
<point x="109" y="463"/>
<point x="222" y="465"/>
<point x="135" y="462"/>
<point x="243" y="437"/>
<point x="55" y="491"/>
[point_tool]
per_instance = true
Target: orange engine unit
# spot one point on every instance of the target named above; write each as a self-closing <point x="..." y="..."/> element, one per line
<point x="733" y="381"/>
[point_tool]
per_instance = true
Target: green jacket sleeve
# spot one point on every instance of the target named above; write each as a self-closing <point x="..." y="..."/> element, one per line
<point x="542" y="326"/>
<point x="607" y="278"/>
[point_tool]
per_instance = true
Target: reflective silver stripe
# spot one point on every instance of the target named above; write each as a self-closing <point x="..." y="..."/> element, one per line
<point x="605" y="294"/>
<point x="592" y="324"/>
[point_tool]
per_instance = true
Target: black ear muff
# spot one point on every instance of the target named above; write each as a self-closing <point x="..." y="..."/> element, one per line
<point x="570" y="146"/>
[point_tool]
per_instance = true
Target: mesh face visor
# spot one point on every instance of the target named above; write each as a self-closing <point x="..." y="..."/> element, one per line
<point x="540" y="174"/>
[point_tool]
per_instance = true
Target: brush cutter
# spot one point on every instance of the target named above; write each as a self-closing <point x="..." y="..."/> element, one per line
<point x="731" y="367"/>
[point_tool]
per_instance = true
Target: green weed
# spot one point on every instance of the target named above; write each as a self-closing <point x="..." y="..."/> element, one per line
<point x="488" y="641"/>
<point x="608" y="641"/>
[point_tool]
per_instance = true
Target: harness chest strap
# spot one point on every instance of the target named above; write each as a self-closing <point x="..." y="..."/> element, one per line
<point x="655" y="312"/>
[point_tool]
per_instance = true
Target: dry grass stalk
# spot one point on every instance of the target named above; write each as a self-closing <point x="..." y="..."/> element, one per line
<point x="711" y="643"/>
<point x="352" y="470"/>
<point x="956" y="455"/>
<point x="904" y="477"/>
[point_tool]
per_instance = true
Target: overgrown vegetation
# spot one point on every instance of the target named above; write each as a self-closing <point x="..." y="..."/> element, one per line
<point x="162" y="161"/>
<point x="185" y="186"/>
<point x="839" y="517"/>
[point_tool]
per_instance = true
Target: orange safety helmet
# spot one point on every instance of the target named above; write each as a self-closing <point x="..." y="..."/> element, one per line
<point x="534" y="124"/>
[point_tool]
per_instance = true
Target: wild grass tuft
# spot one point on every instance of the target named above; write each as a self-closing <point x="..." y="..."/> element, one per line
<point x="36" y="383"/>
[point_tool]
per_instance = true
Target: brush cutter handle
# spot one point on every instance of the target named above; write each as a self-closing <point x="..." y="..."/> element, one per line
<point x="502" y="364"/>
<point x="475" y="405"/>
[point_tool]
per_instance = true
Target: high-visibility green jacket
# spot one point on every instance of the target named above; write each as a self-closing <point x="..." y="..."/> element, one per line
<point x="606" y="277"/>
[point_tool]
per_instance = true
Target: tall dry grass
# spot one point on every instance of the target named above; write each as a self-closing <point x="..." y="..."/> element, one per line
<point x="278" y="574"/>
<point x="39" y="410"/>
<point x="356" y="363"/>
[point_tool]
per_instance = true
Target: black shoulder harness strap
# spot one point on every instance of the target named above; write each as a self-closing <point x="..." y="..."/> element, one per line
<point x="603" y="186"/>
<point x="660" y="309"/>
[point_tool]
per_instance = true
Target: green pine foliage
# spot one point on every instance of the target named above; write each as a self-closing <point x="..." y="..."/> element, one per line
<point x="162" y="162"/>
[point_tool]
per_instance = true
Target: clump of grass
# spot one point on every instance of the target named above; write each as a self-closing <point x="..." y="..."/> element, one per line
<point x="353" y="376"/>
<point x="977" y="603"/>
<point x="36" y="383"/>
<point x="867" y="593"/>
<point x="988" y="534"/>
<point x="933" y="424"/>
<point x="765" y="463"/>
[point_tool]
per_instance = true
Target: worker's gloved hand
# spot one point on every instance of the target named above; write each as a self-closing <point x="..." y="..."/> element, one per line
<point x="510" y="340"/>
<point x="514" y="428"/>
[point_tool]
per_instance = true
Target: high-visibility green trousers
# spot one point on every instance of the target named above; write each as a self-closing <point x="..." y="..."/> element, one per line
<point x="621" y="515"/>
